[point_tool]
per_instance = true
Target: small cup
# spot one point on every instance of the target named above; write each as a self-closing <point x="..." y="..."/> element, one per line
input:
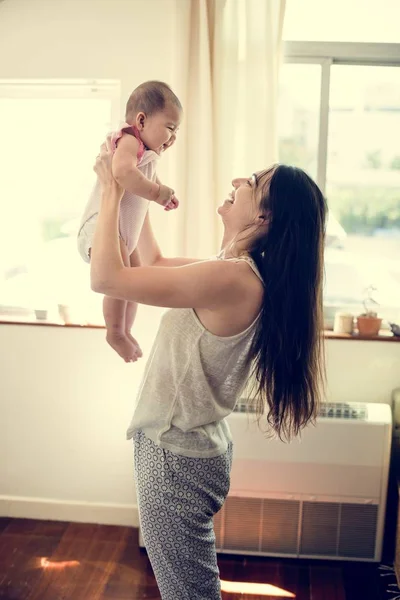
<point x="343" y="323"/>
<point x="41" y="314"/>
<point x="65" y="313"/>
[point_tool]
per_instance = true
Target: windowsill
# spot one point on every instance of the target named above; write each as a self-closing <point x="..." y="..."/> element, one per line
<point x="384" y="336"/>
<point x="4" y="320"/>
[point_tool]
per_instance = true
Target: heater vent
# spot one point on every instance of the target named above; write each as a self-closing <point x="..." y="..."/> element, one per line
<point x="294" y="528"/>
<point x="336" y="410"/>
<point x="328" y="410"/>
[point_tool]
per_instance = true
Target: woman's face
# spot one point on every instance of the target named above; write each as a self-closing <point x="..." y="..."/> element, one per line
<point x="242" y="207"/>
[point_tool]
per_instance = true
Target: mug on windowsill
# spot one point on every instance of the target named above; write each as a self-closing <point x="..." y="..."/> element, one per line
<point x="41" y="314"/>
<point x="344" y="323"/>
<point x="64" y="312"/>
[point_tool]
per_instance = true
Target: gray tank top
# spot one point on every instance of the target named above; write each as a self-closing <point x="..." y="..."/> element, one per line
<point x="191" y="382"/>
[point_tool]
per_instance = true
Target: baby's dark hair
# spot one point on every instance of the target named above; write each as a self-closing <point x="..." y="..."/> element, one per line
<point x="150" y="97"/>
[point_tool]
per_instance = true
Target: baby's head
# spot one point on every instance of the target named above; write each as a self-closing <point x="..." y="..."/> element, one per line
<point x="156" y="112"/>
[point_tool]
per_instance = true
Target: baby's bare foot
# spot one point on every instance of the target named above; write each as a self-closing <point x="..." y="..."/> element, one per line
<point x="123" y="346"/>
<point x="135" y="343"/>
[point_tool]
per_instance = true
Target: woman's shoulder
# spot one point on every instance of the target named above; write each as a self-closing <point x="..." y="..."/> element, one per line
<point x="242" y="258"/>
<point x="227" y="270"/>
<point x="239" y="300"/>
<point x="237" y="278"/>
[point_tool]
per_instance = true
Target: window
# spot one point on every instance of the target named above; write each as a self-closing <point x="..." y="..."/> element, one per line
<point x="340" y="120"/>
<point x="50" y="134"/>
<point x="363" y="180"/>
<point x="298" y="116"/>
<point x="342" y="21"/>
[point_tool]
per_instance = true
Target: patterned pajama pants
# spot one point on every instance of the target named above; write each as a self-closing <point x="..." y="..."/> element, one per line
<point x="177" y="498"/>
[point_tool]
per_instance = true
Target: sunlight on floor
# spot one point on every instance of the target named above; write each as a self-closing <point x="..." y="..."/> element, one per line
<point x="258" y="589"/>
<point x="45" y="563"/>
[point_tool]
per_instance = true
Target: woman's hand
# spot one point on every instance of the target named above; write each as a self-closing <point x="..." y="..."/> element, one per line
<point x="103" y="169"/>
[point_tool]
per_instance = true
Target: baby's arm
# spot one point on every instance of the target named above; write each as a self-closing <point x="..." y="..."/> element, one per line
<point x="173" y="202"/>
<point x="125" y="171"/>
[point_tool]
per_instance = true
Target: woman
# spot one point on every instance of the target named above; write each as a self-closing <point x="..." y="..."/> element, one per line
<point x="255" y="309"/>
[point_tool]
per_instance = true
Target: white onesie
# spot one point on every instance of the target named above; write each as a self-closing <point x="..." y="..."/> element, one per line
<point x="133" y="208"/>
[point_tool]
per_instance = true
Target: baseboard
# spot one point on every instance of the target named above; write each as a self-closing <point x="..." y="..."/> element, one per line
<point x="76" y="512"/>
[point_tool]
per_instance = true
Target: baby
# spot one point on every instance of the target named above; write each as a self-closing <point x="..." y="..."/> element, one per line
<point x="153" y="115"/>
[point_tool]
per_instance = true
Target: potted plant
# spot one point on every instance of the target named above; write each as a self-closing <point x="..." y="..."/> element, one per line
<point x="368" y="322"/>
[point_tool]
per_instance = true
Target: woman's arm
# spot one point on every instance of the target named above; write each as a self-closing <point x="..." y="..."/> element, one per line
<point x="150" y="253"/>
<point x="209" y="284"/>
<point x="105" y="257"/>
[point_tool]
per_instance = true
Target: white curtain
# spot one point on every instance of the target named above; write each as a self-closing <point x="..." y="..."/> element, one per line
<point x="246" y="59"/>
<point x="228" y="54"/>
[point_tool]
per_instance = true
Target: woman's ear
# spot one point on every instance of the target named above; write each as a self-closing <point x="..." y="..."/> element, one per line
<point x="264" y="220"/>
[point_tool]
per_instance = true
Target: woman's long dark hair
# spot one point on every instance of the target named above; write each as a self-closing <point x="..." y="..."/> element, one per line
<point x="287" y="353"/>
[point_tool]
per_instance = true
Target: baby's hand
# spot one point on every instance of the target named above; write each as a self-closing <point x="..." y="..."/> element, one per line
<point x="124" y="346"/>
<point x="172" y="204"/>
<point x="165" y="195"/>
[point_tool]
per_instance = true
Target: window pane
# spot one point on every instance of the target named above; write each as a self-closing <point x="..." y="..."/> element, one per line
<point x="298" y="115"/>
<point x="342" y="21"/>
<point x="363" y="187"/>
<point x="47" y="154"/>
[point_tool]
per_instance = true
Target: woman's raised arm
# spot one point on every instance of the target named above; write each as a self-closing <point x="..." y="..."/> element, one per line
<point x="150" y="253"/>
<point x="205" y="284"/>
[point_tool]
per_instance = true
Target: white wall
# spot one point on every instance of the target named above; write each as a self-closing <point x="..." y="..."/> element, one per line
<point x="128" y="40"/>
<point x="362" y="371"/>
<point x="66" y="401"/>
<point x="109" y="39"/>
<point x="65" y="398"/>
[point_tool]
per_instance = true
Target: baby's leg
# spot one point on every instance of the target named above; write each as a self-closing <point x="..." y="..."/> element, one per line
<point x="130" y="314"/>
<point x="114" y="317"/>
<point x="115" y="313"/>
<point x="131" y="307"/>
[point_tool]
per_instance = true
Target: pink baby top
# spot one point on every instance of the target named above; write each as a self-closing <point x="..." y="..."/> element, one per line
<point x="133" y="208"/>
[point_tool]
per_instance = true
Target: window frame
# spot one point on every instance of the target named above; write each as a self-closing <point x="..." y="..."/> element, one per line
<point x="327" y="54"/>
<point x="68" y="89"/>
<point x="109" y="89"/>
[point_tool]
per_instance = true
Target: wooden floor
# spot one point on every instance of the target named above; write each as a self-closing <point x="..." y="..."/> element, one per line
<point x="44" y="560"/>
